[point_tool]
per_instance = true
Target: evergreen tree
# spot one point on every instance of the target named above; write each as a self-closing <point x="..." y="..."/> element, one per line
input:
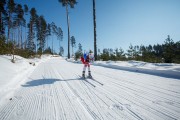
<point x="59" y="36"/>
<point x="3" y="48"/>
<point x="53" y="31"/>
<point x="112" y="54"/>
<point x="3" y="13"/>
<point x="31" y="33"/>
<point x="19" y="22"/>
<point x="79" y="52"/>
<point x="58" y="32"/>
<point x="73" y="44"/>
<point x="80" y="47"/>
<point x="48" y="31"/>
<point x="11" y="9"/>
<point x="41" y="27"/>
<point x="26" y="10"/>
<point x="177" y="52"/>
<point x="119" y="54"/>
<point x="61" y="51"/>
<point x="130" y="51"/>
<point x="158" y="50"/>
<point x="66" y="3"/>
<point x="136" y="52"/>
<point x="169" y="50"/>
<point x="94" y="21"/>
<point x="47" y="51"/>
<point x="105" y="54"/>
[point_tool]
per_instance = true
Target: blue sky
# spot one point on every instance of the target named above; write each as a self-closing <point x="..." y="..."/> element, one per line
<point x="119" y="22"/>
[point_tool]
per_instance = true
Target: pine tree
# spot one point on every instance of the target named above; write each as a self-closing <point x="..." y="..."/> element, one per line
<point x="59" y="35"/>
<point x="41" y="27"/>
<point x="19" y="22"/>
<point x="67" y="3"/>
<point x="61" y="51"/>
<point x="11" y="9"/>
<point x="73" y="44"/>
<point x="3" y="13"/>
<point x="130" y="51"/>
<point x="168" y="50"/>
<point x="79" y="52"/>
<point x="26" y="10"/>
<point x="177" y="52"/>
<point x="94" y="21"/>
<point x="31" y="33"/>
<point x="48" y="33"/>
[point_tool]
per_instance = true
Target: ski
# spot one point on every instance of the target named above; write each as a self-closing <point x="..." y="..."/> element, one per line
<point x="89" y="83"/>
<point x="95" y="80"/>
<point x="90" y="77"/>
<point x="85" y="79"/>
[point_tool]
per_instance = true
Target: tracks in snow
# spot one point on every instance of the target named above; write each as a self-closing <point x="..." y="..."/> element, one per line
<point x="54" y="92"/>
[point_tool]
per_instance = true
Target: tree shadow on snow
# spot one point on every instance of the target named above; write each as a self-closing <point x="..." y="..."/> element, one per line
<point x="40" y="82"/>
<point x="44" y="81"/>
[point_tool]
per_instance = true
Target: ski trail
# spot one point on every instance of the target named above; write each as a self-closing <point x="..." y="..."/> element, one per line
<point x="87" y="92"/>
<point x="76" y="97"/>
<point x="101" y="110"/>
<point x="54" y="92"/>
<point x="149" y="106"/>
<point x="92" y="114"/>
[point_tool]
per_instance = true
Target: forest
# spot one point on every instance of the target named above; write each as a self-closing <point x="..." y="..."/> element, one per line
<point x="22" y="36"/>
<point x="169" y="52"/>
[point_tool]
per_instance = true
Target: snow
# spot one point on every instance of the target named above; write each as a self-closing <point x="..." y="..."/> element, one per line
<point x="52" y="90"/>
<point x="11" y="75"/>
<point x="170" y="70"/>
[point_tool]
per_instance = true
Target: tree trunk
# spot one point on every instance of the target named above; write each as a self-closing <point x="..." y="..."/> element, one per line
<point x="25" y="44"/>
<point x="18" y="37"/>
<point x="68" y="31"/>
<point x="52" y="46"/>
<point x="94" y="21"/>
<point x="59" y="46"/>
<point x="1" y="24"/>
<point x="9" y="27"/>
<point x="21" y="39"/>
<point x="72" y="50"/>
<point x="47" y="42"/>
<point x="13" y="49"/>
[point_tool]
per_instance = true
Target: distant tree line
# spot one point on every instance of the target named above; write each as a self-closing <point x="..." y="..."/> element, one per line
<point x="25" y="37"/>
<point x="169" y="52"/>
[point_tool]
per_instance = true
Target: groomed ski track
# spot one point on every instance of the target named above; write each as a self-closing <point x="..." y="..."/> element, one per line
<point x="55" y="92"/>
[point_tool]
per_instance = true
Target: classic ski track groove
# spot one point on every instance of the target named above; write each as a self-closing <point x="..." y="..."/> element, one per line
<point x="85" y="105"/>
<point x="117" y="113"/>
<point x="144" y="88"/>
<point x="68" y="97"/>
<point x="144" y="99"/>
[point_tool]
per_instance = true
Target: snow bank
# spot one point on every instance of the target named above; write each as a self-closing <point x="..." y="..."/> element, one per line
<point x="12" y="74"/>
<point x="169" y="70"/>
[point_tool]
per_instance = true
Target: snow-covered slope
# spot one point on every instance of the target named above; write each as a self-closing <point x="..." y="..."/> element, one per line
<point x="13" y="74"/>
<point x="54" y="91"/>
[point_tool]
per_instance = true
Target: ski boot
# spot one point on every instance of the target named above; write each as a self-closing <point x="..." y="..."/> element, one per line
<point x="89" y="74"/>
<point x="83" y="75"/>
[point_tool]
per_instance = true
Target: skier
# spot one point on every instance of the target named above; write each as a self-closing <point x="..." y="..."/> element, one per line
<point x="86" y="59"/>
